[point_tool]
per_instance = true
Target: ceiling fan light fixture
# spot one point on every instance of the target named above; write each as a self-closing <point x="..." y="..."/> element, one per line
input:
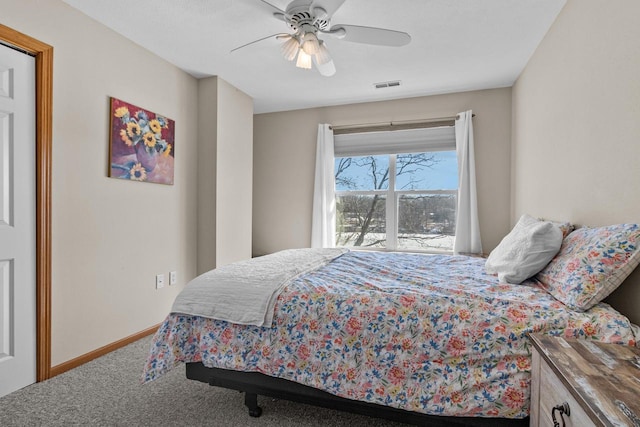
<point x="290" y="48"/>
<point x="310" y="44"/>
<point x="304" y="60"/>
<point x="323" y="56"/>
<point x="327" y="69"/>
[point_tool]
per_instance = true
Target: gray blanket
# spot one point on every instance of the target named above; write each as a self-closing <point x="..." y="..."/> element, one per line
<point x="245" y="292"/>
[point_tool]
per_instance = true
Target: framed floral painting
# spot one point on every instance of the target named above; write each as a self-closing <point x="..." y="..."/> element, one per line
<point x="141" y="146"/>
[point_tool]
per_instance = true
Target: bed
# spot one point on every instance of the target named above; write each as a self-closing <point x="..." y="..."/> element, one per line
<point x="410" y="337"/>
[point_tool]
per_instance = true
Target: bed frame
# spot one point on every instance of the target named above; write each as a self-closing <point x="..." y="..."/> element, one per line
<point x="255" y="383"/>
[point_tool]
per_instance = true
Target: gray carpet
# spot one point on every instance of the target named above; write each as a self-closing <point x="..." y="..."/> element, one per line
<point x="107" y="392"/>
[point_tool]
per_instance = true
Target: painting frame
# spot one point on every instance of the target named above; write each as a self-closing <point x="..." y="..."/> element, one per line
<point x="141" y="144"/>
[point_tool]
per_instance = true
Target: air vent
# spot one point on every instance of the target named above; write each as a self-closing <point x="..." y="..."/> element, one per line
<point x="386" y="84"/>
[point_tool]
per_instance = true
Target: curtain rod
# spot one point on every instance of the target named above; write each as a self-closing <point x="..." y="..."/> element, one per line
<point x="397" y="125"/>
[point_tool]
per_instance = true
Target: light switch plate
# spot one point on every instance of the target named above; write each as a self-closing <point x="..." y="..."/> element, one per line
<point x="160" y="281"/>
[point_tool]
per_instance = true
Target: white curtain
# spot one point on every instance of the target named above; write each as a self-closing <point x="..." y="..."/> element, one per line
<point x="323" y="226"/>
<point x="467" y="239"/>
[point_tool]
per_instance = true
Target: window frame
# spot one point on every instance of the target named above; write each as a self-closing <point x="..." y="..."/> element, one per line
<point x="424" y="140"/>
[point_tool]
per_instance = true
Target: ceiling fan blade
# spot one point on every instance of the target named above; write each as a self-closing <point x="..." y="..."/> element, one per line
<point x="277" y="36"/>
<point x="276" y="11"/>
<point x="369" y="35"/>
<point x="329" y="6"/>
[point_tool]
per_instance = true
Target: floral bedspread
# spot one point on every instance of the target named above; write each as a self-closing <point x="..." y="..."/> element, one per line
<point x="425" y="333"/>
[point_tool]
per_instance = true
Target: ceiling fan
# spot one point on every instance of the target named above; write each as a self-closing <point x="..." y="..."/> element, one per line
<point x="310" y="18"/>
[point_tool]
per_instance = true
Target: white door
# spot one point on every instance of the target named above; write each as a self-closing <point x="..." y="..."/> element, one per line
<point x="17" y="221"/>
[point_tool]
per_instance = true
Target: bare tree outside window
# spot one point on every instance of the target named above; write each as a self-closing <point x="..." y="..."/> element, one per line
<point x="423" y="218"/>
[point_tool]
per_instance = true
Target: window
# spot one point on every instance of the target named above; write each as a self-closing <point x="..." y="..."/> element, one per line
<point x="396" y="190"/>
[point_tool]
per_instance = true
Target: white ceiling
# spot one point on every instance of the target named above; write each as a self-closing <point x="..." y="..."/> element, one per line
<point x="457" y="45"/>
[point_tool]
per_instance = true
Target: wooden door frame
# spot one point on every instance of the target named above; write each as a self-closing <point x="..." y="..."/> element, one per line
<point x="43" y="54"/>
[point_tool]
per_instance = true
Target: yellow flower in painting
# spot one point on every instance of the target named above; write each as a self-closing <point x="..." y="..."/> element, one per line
<point x="138" y="173"/>
<point x="149" y="140"/>
<point x="167" y="151"/>
<point x="155" y="126"/>
<point x="121" y="112"/>
<point x="133" y="129"/>
<point x="125" y="138"/>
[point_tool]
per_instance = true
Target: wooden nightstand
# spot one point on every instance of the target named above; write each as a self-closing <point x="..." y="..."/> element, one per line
<point x="600" y="383"/>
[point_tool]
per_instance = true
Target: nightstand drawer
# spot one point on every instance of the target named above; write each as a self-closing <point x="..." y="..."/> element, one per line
<point x="552" y="393"/>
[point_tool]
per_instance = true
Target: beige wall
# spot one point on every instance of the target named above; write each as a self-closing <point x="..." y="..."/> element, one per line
<point x="207" y="157"/>
<point x="235" y="175"/>
<point x="576" y="123"/>
<point x="285" y="146"/>
<point x="225" y="166"/>
<point x="110" y="237"/>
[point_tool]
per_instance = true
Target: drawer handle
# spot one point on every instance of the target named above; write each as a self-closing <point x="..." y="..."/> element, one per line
<point x="562" y="409"/>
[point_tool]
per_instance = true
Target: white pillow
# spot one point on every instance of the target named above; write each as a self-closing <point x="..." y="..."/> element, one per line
<point x="525" y="251"/>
